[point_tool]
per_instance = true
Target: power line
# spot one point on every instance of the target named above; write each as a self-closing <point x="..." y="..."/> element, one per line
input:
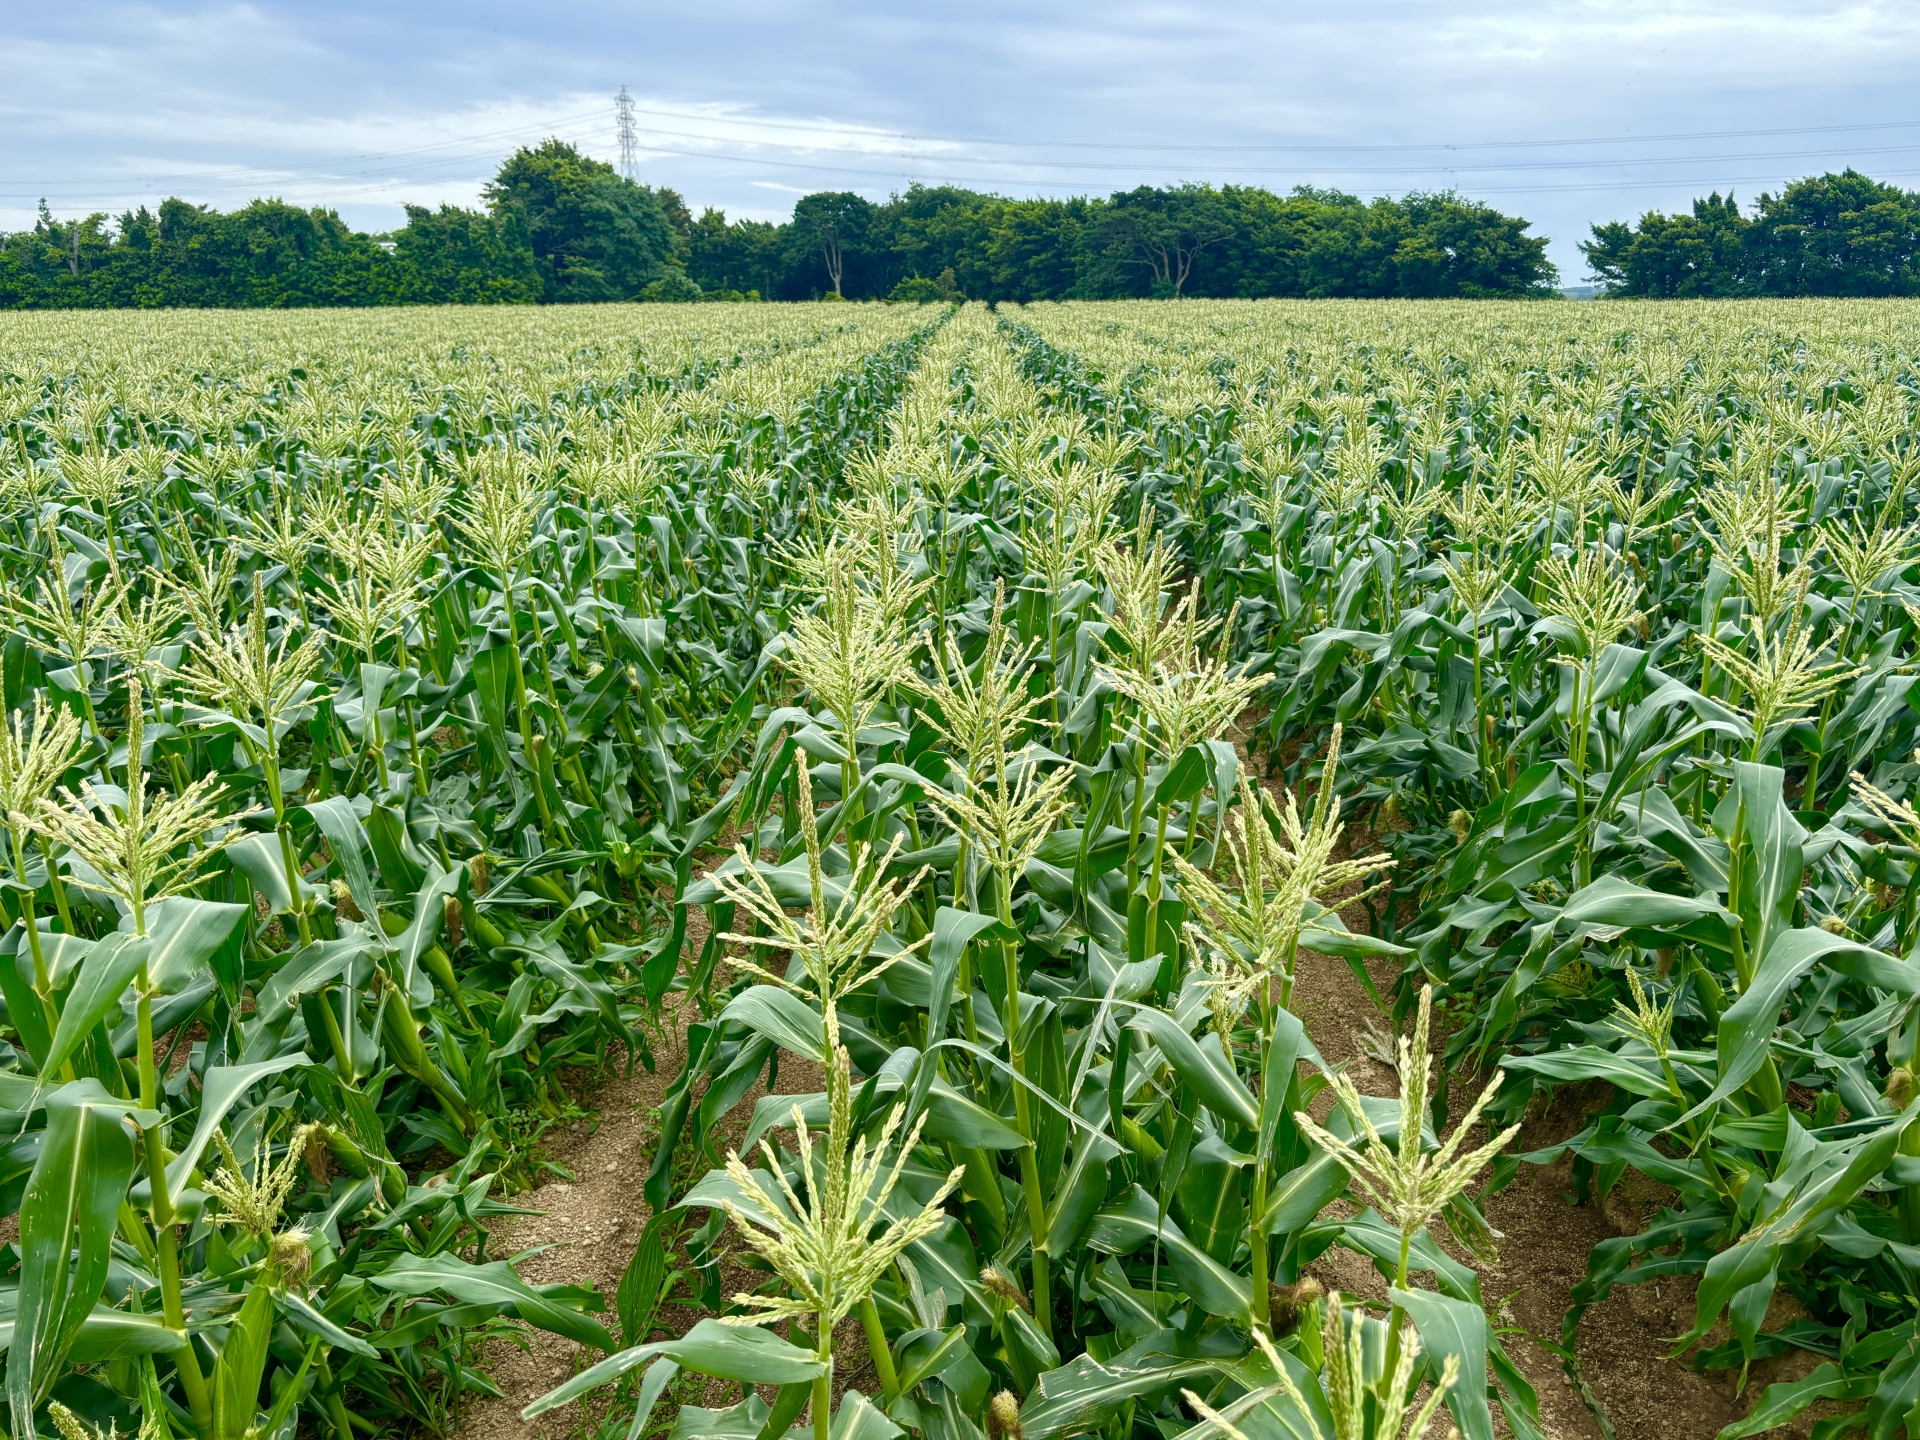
<point x="117" y="190"/>
<point x="957" y="168"/>
<point x="1450" y="168"/>
<point x="629" y="137"/>
<point x="934" y="167"/>
<point x="1286" y="148"/>
<point x="244" y="173"/>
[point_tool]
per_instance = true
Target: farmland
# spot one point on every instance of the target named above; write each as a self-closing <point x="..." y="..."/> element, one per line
<point x="1013" y="722"/>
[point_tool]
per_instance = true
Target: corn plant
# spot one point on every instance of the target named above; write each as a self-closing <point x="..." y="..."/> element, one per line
<point x="379" y="694"/>
<point x="342" y="739"/>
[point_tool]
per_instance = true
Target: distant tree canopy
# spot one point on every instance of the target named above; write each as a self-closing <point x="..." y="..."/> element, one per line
<point x="557" y="227"/>
<point x="594" y="235"/>
<point x="561" y="227"/>
<point x="1830" y="234"/>
<point x="1187" y="240"/>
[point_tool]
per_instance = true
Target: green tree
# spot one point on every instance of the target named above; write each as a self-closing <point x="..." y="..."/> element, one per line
<point x="265" y="253"/>
<point x="1164" y="232"/>
<point x="834" y="226"/>
<point x="1033" y="249"/>
<point x="563" y="227"/>
<point x="594" y="234"/>
<point x="679" y="220"/>
<point x="740" y="257"/>
<point x="915" y="290"/>
<point x="1454" y="248"/>
<point x="673" y="288"/>
<point x="1674" y="256"/>
<point x="1836" y="235"/>
<point x="460" y="257"/>
<point x="1829" y="234"/>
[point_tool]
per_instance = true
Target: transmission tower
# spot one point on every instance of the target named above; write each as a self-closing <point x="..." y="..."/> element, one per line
<point x="629" y="136"/>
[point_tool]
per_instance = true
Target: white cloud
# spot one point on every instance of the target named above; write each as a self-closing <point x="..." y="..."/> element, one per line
<point x="365" y="105"/>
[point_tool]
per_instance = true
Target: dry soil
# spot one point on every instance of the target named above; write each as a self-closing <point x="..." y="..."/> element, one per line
<point x="588" y="1227"/>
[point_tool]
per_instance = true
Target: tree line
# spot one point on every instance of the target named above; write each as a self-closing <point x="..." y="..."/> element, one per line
<point x="558" y="226"/>
<point x="1830" y="235"/>
<point x="938" y="242"/>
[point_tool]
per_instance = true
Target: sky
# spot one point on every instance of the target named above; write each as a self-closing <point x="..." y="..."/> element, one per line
<point x="1564" y="111"/>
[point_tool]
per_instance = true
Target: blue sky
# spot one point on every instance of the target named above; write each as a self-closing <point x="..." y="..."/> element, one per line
<point x="1563" y="112"/>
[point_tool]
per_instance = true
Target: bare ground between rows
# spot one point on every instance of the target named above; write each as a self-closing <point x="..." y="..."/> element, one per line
<point x="585" y="1230"/>
<point x="589" y="1226"/>
<point x="1622" y="1344"/>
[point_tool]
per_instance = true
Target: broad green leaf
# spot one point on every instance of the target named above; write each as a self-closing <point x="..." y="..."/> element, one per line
<point x="597" y="996"/>
<point x="312" y="967"/>
<point x="1747" y="1026"/>
<point x="731" y="1352"/>
<point x="1346" y="944"/>
<point x="1823" y="1193"/>
<point x="1203" y="1066"/>
<point x="96" y="992"/>
<point x="1185" y="778"/>
<point x="659" y="1375"/>
<point x="1368" y="1233"/>
<point x="67" y="1220"/>
<point x="1451" y="1327"/>
<point x="638" y="1293"/>
<point x="1296" y="1197"/>
<point x="1613" y="901"/>
<point x="953" y="931"/>
<point x="241" y="1364"/>
<point x="347" y="838"/>
<point x="1077" y="1195"/>
<point x="1213" y="1206"/>
<point x="776" y="1111"/>
<point x="110" y="1334"/>
<point x="429" y="910"/>
<point x="1082" y="1394"/>
<point x="24" y="1011"/>
<point x="258" y="858"/>
<point x="493" y="1283"/>
<point x="424" y="1318"/>
<point x="750" y="1419"/>
<point x="402" y="868"/>
<point x="856" y="1419"/>
<point x="1278" y="1416"/>
<point x="302" y="1316"/>
<point x="782" y="1017"/>
<point x="1135" y="1219"/>
<point x="946" y="1261"/>
<point x="1651" y="814"/>
<point x="1287" y="1048"/>
<point x="1638" y="1073"/>
<point x="492" y="670"/>
<point x="1322" y="930"/>
<point x="1780" y="1403"/>
<point x="185" y="933"/>
<point x="956" y="1120"/>
<point x="930" y="1361"/>
<point x="1770" y="876"/>
<point x="1618" y="666"/>
<point x="20" y="1093"/>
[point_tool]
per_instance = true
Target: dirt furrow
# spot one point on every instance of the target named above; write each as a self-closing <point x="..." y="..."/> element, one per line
<point x="588" y="1226"/>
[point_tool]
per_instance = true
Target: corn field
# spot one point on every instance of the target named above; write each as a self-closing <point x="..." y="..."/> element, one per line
<point x="411" y="715"/>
